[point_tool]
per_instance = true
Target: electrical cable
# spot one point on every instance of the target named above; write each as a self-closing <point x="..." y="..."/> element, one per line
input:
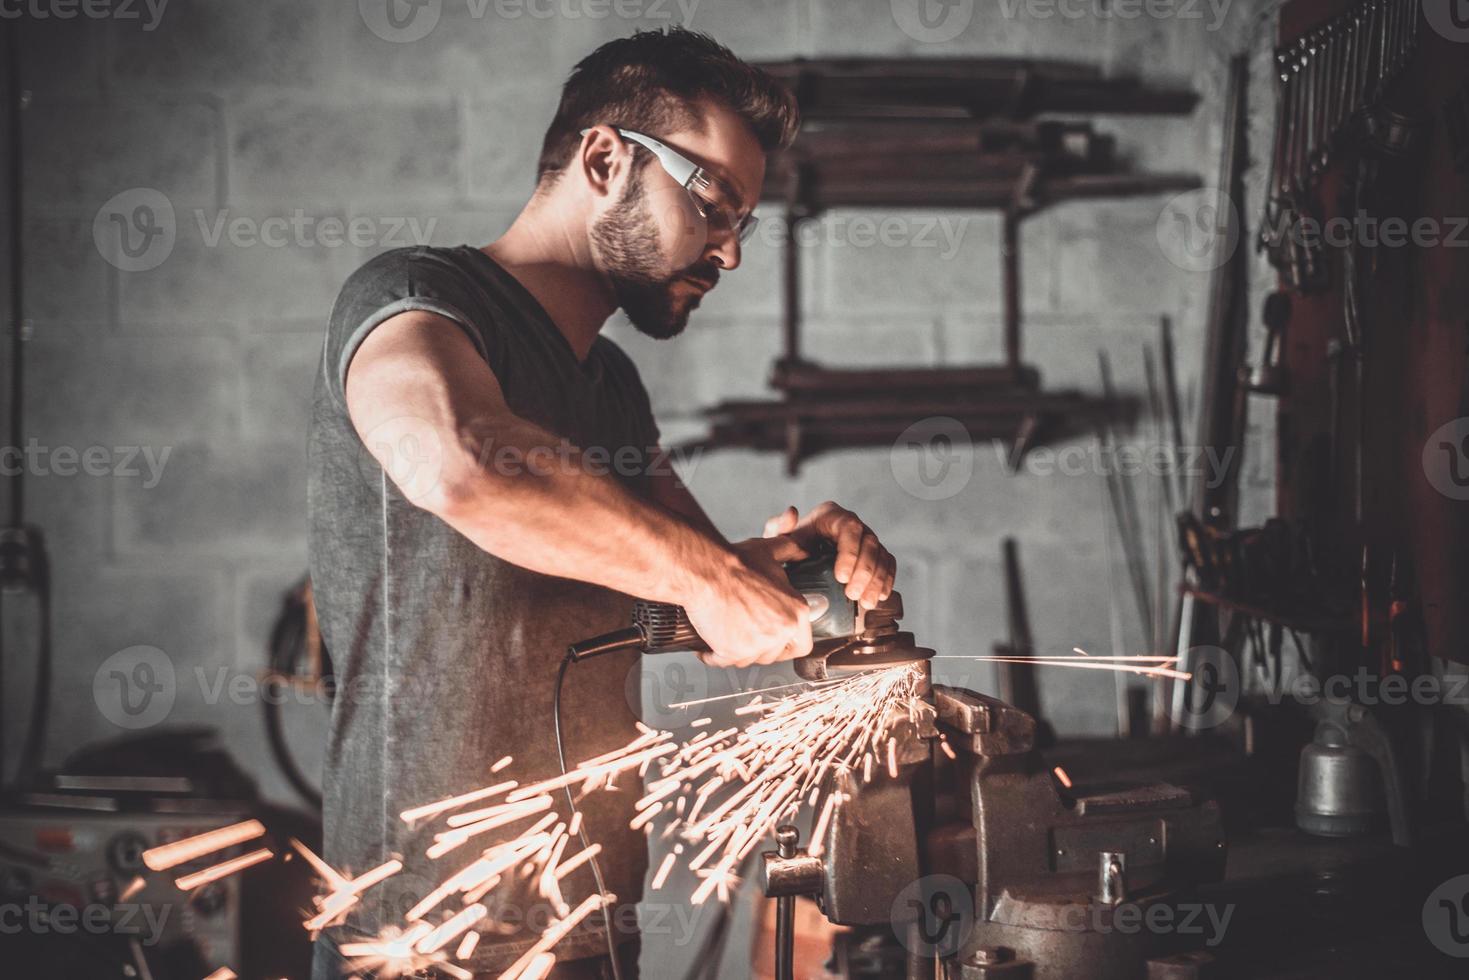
<point x="287" y="641"/>
<point x="566" y="661"/>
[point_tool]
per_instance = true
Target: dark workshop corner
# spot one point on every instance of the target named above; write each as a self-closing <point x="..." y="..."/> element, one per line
<point x="1137" y="331"/>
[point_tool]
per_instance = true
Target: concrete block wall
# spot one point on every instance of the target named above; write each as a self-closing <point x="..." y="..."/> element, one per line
<point x="247" y="117"/>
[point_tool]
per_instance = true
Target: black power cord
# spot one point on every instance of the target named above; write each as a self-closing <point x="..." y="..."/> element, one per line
<point x="288" y="642"/>
<point x="567" y="661"/>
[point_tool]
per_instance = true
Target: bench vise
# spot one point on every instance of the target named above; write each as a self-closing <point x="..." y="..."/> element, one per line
<point x="989" y="866"/>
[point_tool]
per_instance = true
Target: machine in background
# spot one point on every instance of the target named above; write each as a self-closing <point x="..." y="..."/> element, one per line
<point x="71" y="867"/>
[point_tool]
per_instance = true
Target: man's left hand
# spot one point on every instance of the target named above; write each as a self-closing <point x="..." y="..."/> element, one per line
<point x="863" y="565"/>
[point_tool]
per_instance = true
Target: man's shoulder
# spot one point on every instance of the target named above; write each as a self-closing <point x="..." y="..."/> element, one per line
<point x="409" y="260"/>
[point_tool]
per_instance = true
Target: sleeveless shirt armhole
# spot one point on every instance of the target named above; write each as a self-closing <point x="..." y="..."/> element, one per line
<point x="409" y="304"/>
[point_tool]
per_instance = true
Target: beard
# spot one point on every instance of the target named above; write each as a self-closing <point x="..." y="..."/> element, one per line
<point x="627" y="241"/>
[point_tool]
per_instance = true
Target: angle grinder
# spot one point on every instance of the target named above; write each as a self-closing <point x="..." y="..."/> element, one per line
<point x="846" y="638"/>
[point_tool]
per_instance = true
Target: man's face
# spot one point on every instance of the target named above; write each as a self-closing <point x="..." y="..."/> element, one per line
<point x="658" y="251"/>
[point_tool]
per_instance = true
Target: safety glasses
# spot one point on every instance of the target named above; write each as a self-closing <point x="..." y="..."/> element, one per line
<point x="709" y="194"/>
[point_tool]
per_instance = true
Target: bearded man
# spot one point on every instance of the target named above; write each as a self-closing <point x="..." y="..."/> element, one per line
<point x="482" y="494"/>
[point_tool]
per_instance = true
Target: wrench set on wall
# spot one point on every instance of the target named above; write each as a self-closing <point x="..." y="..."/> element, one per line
<point x="1329" y="82"/>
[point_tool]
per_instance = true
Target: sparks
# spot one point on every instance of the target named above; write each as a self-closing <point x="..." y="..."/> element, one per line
<point x="764" y="774"/>
<point x="223" y="870"/>
<point x="180" y="852"/>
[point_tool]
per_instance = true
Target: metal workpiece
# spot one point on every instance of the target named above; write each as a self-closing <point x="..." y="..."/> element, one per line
<point x="981" y="724"/>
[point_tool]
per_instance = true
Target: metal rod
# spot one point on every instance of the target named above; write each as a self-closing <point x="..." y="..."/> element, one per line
<point x="791" y="290"/>
<point x="1017" y="681"/>
<point x="1010" y="254"/>
<point x="786" y="837"/>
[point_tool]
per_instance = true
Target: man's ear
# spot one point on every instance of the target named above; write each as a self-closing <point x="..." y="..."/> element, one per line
<point x="605" y="160"/>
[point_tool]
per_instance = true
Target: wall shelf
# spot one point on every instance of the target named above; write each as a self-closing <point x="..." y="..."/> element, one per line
<point x="956" y="134"/>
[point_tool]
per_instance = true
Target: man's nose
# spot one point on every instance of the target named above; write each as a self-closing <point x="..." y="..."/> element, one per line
<point x="723" y="249"/>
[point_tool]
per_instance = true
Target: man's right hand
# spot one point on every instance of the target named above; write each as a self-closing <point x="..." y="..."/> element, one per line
<point x="749" y="614"/>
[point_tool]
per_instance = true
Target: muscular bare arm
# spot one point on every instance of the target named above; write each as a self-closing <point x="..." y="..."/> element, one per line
<point x="432" y="413"/>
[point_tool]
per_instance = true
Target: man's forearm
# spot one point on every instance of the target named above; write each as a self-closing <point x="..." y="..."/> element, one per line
<point x="552" y="513"/>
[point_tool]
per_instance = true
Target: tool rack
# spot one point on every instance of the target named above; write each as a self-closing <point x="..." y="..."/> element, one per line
<point x="952" y="134"/>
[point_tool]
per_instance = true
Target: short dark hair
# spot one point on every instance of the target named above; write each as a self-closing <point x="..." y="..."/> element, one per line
<point x="651" y="80"/>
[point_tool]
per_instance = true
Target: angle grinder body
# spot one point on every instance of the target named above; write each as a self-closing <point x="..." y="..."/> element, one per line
<point x="846" y="638"/>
